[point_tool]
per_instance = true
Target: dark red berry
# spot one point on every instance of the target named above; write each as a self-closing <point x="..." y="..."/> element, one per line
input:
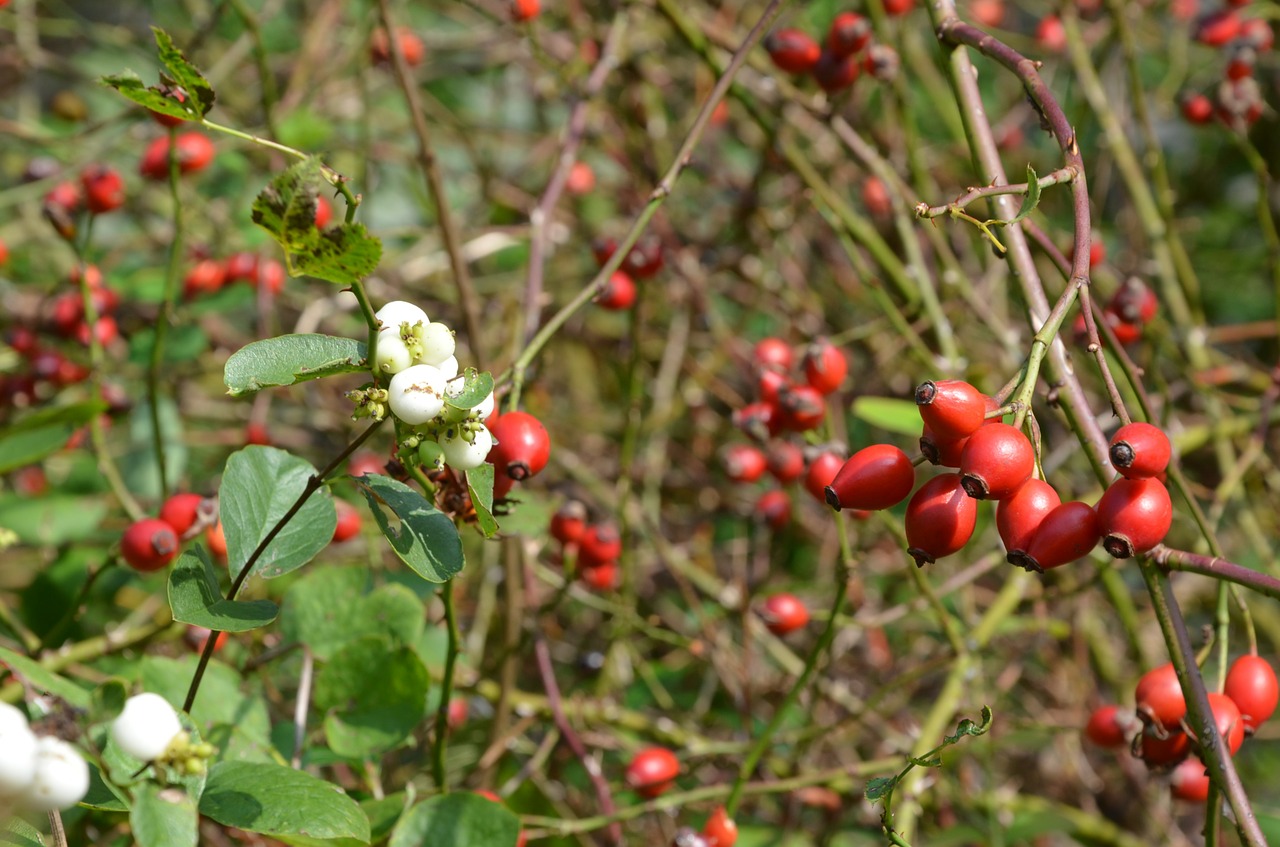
<point x="1067" y="533"/>
<point x="802" y="407"/>
<point x="1190" y="781"/>
<point x="1227" y="718"/>
<point x="348" y="525"/>
<point x="1140" y="450"/>
<point x="849" y="33"/>
<point x="940" y="519"/>
<point x="1218" y="28"/>
<point x="825" y="367"/>
<point x="1134" y="516"/>
<point x="786" y="461"/>
<point x="599" y="576"/>
<point x="774" y="508"/>
<point x="770" y="383"/>
<point x="761" y="420"/>
<point x="205" y="277"/>
<point x="792" y="50"/>
<point x="743" y="462"/>
<point x="1196" y="108"/>
<point x="103" y="188"/>
<point x="835" y="73"/>
<point x="1134" y="302"/>
<point x="1163" y="752"/>
<point x="600" y="543"/>
<point x="876" y="477"/>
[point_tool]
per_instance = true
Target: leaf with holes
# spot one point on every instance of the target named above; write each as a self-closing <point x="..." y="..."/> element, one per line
<point x="426" y="539"/>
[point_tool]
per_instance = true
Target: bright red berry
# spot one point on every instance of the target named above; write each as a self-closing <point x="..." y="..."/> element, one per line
<point x="876" y="477"/>
<point x="1104" y="727"/>
<point x="1158" y="697"/>
<point x="1252" y="685"/>
<point x="822" y="471"/>
<point x="524" y="10"/>
<point x="182" y="511"/>
<point x="205" y="277"/>
<point x="600" y="543"/>
<point x="1067" y="533"/>
<point x="619" y="292"/>
<point x="988" y="13"/>
<point x="1019" y="515"/>
<point x="895" y="8"/>
<point x="849" y="33"/>
<point x="324" y="212"/>
<point x="1134" y="302"/>
<point x="581" y="179"/>
<point x="1051" y="34"/>
<point x="803" y="408"/>
<point x="940" y="519"/>
<point x="569" y="523"/>
<point x="103" y="188"/>
<point x="720" y="830"/>
<point x="875" y="197"/>
<point x="1163" y="752"/>
<point x="256" y="433"/>
<point x="653" y="771"/>
<point x="242" y="267"/>
<point x="743" y="462"/>
<point x="1190" y="781"/>
<point x="945" y="452"/>
<point x="1134" y="516"/>
<point x="825" y="367"/>
<point x="149" y="545"/>
<point x="792" y="50"/>
<point x="774" y="354"/>
<point x="951" y="408"/>
<point x="774" y="508"/>
<point x="784" y="614"/>
<point x="197" y="637"/>
<point x="523" y="447"/>
<point x="195" y="152"/>
<point x="600" y="576"/>
<point x="1218" y="28"/>
<point x="411" y="47"/>
<point x="761" y="420"/>
<point x="1196" y="108"/>
<point x="1140" y="450"/>
<point x="1226" y="716"/>
<point x="995" y="461"/>
<point x="348" y="525"/>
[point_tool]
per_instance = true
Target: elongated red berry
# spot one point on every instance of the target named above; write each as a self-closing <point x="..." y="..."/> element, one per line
<point x="822" y="470"/>
<point x="825" y="367"/>
<point x="951" y="408"/>
<point x="940" y="519"/>
<point x="1133" y="303"/>
<point x="849" y="33"/>
<point x="149" y="545"/>
<point x="1019" y="515"/>
<point x="1134" y="516"/>
<point x="995" y="461"/>
<point x="876" y="477"/>
<point x="1140" y="450"/>
<point x="784" y="613"/>
<point x="619" y="293"/>
<point x="1158" y="696"/>
<point x="743" y="462"/>
<point x="1067" y="533"/>
<point x="803" y="408"/>
<point x="1252" y="685"/>
<point x="945" y="452"/>
<point x="792" y="50"/>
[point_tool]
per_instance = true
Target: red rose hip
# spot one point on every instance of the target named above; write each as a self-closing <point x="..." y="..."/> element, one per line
<point x="653" y="771"/>
<point x="995" y="461"/>
<point x="1134" y="516"/>
<point x="951" y="408"/>
<point x="940" y="519"/>
<point x="1252" y="685"/>
<point x="876" y="477"/>
<point x="1140" y="450"/>
<point x="1019" y="515"/>
<point x="784" y="614"/>
<point x="149" y="544"/>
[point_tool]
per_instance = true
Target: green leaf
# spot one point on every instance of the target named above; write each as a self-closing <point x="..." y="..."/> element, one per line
<point x="480" y="485"/>
<point x="286" y="359"/>
<point x="102" y="795"/>
<point x="41" y="433"/>
<point x="198" y="94"/>
<point x="968" y="727"/>
<point x="184" y="74"/>
<point x="43" y="680"/>
<point x="131" y="86"/>
<point x="1033" y="196"/>
<point x="280" y="802"/>
<point x="476" y="387"/>
<point x="889" y="413"/>
<point x="259" y="485"/>
<point x="880" y="786"/>
<point x="376" y="695"/>
<point x="52" y="519"/>
<point x="426" y="539"/>
<point x="108" y="700"/>
<point x="331" y="607"/>
<point x="163" y="817"/>
<point x="19" y="833"/>
<point x="344" y="253"/>
<point x="196" y="598"/>
<point x="458" y="820"/>
<point x="223" y="698"/>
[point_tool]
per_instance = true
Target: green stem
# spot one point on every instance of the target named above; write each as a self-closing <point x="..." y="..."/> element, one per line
<point x="156" y="359"/>
<point x="446" y="689"/>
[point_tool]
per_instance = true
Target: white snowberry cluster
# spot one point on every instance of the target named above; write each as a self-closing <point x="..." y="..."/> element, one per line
<point x="418" y="355"/>
<point x="37" y="772"/>
<point x="148" y="729"/>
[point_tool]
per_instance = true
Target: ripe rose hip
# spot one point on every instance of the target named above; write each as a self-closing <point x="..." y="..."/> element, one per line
<point x="743" y="462"/>
<point x="645" y="259"/>
<point x="1140" y="450"/>
<point x="1104" y="727"/>
<point x="783" y="614"/>
<point x="761" y="421"/>
<point x="1252" y="685"/>
<point x="1158" y="697"/>
<point x="720" y="830"/>
<point x="849" y="33"/>
<point x="195" y="152"/>
<point x="940" y="519"/>
<point x="1019" y="515"/>
<point x="1051" y="34"/>
<point x="653" y="771"/>
<point x="1227" y="718"/>
<point x="569" y="523"/>
<point x="324" y="212"/>
<point x="785" y="460"/>
<point x="1218" y="28"/>
<point x="995" y="461"/>
<point x="875" y="197"/>
<point x="803" y="408"/>
<point x="1190" y="781"/>
<point x="1067" y="533"/>
<point x="600" y="543"/>
<point x="1134" y="302"/>
<point x="619" y="292"/>
<point x="825" y="367"/>
<point x="205" y="277"/>
<point x="774" y="508"/>
<point x="600" y="576"/>
<point x="945" y="452"/>
<point x="524" y="10"/>
<point x="149" y="544"/>
<point x="894" y="8"/>
<point x="835" y="73"/>
<point x="876" y="477"/>
<point x="411" y="47"/>
<point x="770" y="384"/>
<point x="1163" y="752"/>
<point x="182" y="511"/>
<point x="103" y="188"/>
<point x="523" y="447"/>
<point x="774" y="354"/>
<point x="1196" y="108"/>
<point x="792" y="50"/>
<point x="1134" y="516"/>
<point x="951" y="408"/>
<point x="348" y="525"/>
<point x="581" y="179"/>
<point x="822" y="471"/>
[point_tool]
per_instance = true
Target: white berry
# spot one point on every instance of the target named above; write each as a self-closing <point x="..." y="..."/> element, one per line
<point x="146" y="726"/>
<point x="393" y="354"/>
<point x="462" y="455"/>
<point x="61" y="776"/>
<point x="438" y="344"/>
<point x="398" y="312"/>
<point x="17" y="751"/>
<point x="416" y="394"/>
<point x="449" y="367"/>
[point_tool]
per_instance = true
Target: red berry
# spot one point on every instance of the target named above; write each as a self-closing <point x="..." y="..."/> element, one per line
<point x="771" y="383"/>
<point x="149" y="545"/>
<point x="876" y="477"/>
<point x="173" y="93"/>
<point x="825" y="367"/>
<point x="988" y="13"/>
<point x="348" y="525"/>
<point x="774" y="508"/>
<point x="1257" y="34"/>
<point x="523" y="447"/>
<point x="205" y="277"/>
<point x="849" y="33"/>
<point x="324" y="212"/>
<point x="1227" y="718"/>
<point x="802" y="407"/>
<point x="569" y="523"/>
<point x="1134" y="302"/>
<point x="774" y="354"/>
<point x="182" y="511"/>
<point x="1252" y="684"/>
<point x="195" y="152"/>
<point x="104" y="330"/>
<point x="65" y="195"/>
<point x="600" y="543"/>
<point x="1051" y="34"/>
<point x="898" y="7"/>
<point x="1190" y="781"/>
<point x="256" y="433"/>
<point x="1134" y="515"/>
<point x="720" y="829"/>
<point x="242" y="267"/>
<point x="822" y="471"/>
<point x="4" y="253"/>
<point x="792" y="50"/>
<point x="653" y="771"/>
<point x="785" y="460"/>
<point x="364" y="463"/>
<point x="411" y="47"/>
<point x="524" y="10"/>
<point x="995" y="461"/>
<point x="1218" y="28"/>
<point x="743" y="462"/>
<point x="645" y="258"/>
<point x="619" y="292"/>
<point x="581" y="179"/>
<point x="601" y="576"/>
<point x="1067" y="533"/>
<point x="103" y="188"/>
<point x="1019" y="515"/>
<point x="197" y="637"/>
<point x="940" y="519"/>
<point x="456" y="713"/>
<point x="271" y="275"/>
<point x="1163" y="752"/>
<point x="1158" y="697"/>
<point x="941" y="451"/>
<point x="951" y="408"/>
<point x="1104" y="728"/>
<point x="217" y="541"/>
<point x="835" y="73"/>
<point x="602" y="249"/>
<point x="1196" y="108"/>
<point x="1140" y="450"/>
<point x="784" y="614"/>
<point x="761" y="421"/>
<point x="875" y="197"/>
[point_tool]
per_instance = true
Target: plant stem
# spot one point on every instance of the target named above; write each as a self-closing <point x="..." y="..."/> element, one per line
<point x="156" y="359"/>
<point x="446" y="689"/>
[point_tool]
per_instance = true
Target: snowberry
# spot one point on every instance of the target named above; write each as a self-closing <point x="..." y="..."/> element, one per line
<point x="393" y="354"/>
<point x="416" y="394"/>
<point x="146" y="726"/>
<point x="437" y="343"/>
<point x="461" y="454"/>
<point x="398" y="312"/>
<point x="61" y="776"/>
<point x="17" y="751"/>
<point x="449" y="367"/>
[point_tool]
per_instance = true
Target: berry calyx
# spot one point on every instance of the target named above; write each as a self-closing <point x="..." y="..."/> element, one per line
<point x="784" y="613"/>
<point x="876" y="477"/>
<point x="522" y="447"/>
<point x="995" y="461"/>
<point x="1140" y="450"/>
<point x="940" y="519"/>
<point x="1067" y="533"/>
<point x="1252" y="685"/>
<point x="653" y="771"/>
<point x="1134" y="516"/>
<point x="951" y="408"/>
<point x="149" y="544"/>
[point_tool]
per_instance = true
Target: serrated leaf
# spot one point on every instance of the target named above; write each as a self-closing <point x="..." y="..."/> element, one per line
<point x="195" y="597"/>
<point x="286" y="359"/>
<point x="259" y="485"/>
<point x="426" y="539"/>
<point x="280" y="802"/>
<point x="131" y="86"/>
<point x="458" y="820"/>
<point x="163" y="817"/>
<point x="184" y="74"/>
<point x="480" y="486"/>
<point x="878" y="787"/>
<point x="345" y="254"/>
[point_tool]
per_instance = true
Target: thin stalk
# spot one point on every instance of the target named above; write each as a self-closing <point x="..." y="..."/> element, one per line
<point x="446" y="689"/>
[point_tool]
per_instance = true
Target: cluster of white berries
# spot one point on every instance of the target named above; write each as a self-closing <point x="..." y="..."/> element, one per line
<point x="418" y="354"/>
<point x="37" y="772"/>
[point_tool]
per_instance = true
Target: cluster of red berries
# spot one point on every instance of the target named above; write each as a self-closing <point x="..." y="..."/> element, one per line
<point x="791" y="392"/>
<point x="1130" y="309"/>
<point x="652" y="772"/>
<point x="963" y="429"/>
<point x="1157" y="732"/>
<point x="847" y="53"/>
<point x="194" y="153"/>
<point x="1237" y="101"/>
<point x="594" y="547"/>
<point x="99" y="190"/>
<point x="66" y="316"/>
<point x="209" y="275"/>
<point x="643" y="261"/>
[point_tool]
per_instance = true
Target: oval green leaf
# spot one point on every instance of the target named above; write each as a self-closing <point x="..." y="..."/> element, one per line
<point x="425" y="539"/>
<point x="196" y="598"/>
<point x="286" y="359"/>
<point x="376" y="695"/>
<point x="458" y="820"/>
<point x="163" y="817"/>
<point x="281" y="802"/>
